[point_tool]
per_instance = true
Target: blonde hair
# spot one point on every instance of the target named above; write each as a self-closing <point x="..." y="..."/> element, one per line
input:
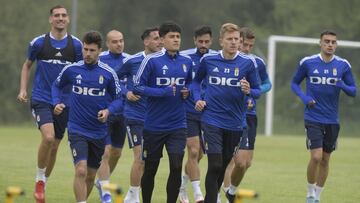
<point x="228" y="27"/>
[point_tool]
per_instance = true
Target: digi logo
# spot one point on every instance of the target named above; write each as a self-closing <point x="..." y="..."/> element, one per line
<point x="164" y="81"/>
<point x="323" y="80"/>
<point x="95" y="92"/>
<point x="232" y="82"/>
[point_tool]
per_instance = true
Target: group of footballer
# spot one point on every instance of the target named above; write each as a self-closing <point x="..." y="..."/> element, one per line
<point x="200" y="99"/>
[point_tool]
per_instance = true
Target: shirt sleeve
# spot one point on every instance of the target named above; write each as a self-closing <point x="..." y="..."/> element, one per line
<point x="141" y="85"/>
<point x="199" y="77"/>
<point x="347" y="83"/>
<point x="252" y="78"/>
<point x="61" y="81"/>
<point x="299" y="76"/>
<point x="114" y="89"/>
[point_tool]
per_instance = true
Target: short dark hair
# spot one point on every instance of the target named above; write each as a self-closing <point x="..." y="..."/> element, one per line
<point x="147" y="32"/>
<point x="168" y="27"/>
<point x="247" y="33"/>
<point x="93" y="37"/>
<point x="327" y="32"/>
<point x="56" y="7"/>
<point x="203" y="30"/>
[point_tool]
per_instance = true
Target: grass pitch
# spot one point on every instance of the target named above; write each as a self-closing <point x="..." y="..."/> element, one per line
<point x="278" y="172"/>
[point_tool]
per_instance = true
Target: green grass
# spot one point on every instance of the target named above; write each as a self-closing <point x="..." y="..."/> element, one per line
<point x="277" y="173"/>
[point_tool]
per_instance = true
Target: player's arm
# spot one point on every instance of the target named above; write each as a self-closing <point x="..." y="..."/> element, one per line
<point x="56" y="90"/>
<point x="196" y="85"/>
<point x="114" y="89"/>
<point x="295" y="86"/>
<point x="24" y="80"/>
<point x="250" y="84"/>
<point x="264" y="77"/>
<point x="185" y="90"/>
<point x="347" y="83"/>
<point x="142" y="81"/>
<point x="126" y="71"/>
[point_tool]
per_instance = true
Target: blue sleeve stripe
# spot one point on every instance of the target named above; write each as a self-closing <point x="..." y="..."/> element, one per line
<point x="133" y="56"/>
<point x="107" y="68"/>
<point x="249" y="57"/>
<point x="104" y="53"/>
<point x="308" y="58"/>
<point x="79" y="63"/>
<point x="209" y="54"/>
<point x="143" y="64"/>
<point x="188" y="51"/>
<point x="343" y="60"/>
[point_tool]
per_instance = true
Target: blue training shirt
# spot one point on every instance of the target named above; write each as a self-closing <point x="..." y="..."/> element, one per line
<point x="115" y="61"/>
<point x="265" y="84"/>
<point x="133" y="110"/>
<point x="195" y="55"/>
<point x="91" y="87"/>
<point x="47" y="70"/>
<point x="324" y="80"/>
<point x="225" y="102"/>
<point x="164" y="111"/>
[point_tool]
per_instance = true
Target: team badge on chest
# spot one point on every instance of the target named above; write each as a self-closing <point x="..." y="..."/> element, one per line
<point x="101" y="79"/>
<point x="334" y="72"/>
<point x="236" y="72"/>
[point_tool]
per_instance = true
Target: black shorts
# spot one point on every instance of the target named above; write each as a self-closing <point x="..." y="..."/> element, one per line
<point x="116" y="131"/>
<point x="251" y="121"/>
<point x="223" y="141"/>
<point x="321" y="135"/>
<point x="44" y="113"/>
<point x="85" y="148"/>
<point x="153" y="143"/>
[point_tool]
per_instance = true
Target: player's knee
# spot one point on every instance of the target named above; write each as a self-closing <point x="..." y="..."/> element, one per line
<point x="193" y="153"/>
<point x="215" y="164"/>
<point x="81" y="172"/>
<point x="317" y="158"/>
<point x="175" y="162"/>
<point x="241" y="164"/>
<point x="49" y="139"/>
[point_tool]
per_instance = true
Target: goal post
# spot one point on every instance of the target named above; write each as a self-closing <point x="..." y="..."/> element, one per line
<point x="272" y="42"/>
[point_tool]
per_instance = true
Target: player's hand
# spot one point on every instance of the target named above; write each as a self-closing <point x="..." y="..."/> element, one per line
<point x="58" y="109"/>
<point x="245" y="86"/>
<point x="185" y="92"/>
<point x="200" y="105"/>
<point x="132" y="97"/>
<point x="103" y="115"/>
<point x="22" y="96"/>
<point x="250" y="104"/>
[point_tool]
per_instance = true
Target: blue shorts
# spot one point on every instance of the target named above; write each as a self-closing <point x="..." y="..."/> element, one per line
<point x="222" y="141"/>
<point x="321" y="135"/>
<point x="193" y="125"/>
<point x="251" y="121"/>
<point x="153" y="144"/>
<point x="116" y="131"/>
<point x="84" y="148"/>
<point x="44" y="113"/>
<point x="134" y="132"/>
